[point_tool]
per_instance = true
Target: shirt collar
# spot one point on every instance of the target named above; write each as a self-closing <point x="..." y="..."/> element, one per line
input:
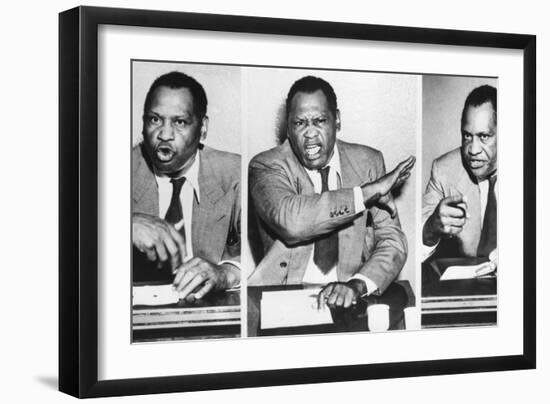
<point x="191" y="176"/>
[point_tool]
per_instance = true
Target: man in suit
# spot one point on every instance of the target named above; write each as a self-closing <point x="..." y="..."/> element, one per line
<point x="185" y="195"/>
<point x="325" y="210"/>
<point x="460" y="202"/>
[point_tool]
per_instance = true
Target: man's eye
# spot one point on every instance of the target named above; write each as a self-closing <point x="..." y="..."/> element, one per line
<point x="180" y="122"/>
<point x="484" y="138"/>
<point x="155" y="120"/>
<point x="320" y="121"/>
<point x="467" y="136"/>
<point x="299" y="124"/>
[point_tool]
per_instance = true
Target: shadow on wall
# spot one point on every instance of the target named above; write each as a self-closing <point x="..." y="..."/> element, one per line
<point x="254" y="238"/>
<point x="280" y="124"/>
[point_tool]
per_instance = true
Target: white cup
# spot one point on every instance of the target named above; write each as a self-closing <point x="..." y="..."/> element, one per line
<point x="378" y="317"/>
<point x="412" y="318"/>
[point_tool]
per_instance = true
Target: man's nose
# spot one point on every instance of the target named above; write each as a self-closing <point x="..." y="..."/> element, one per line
<point x="310" y="132"/>
<point x="166" y="132"/>
<point x="475" y="146"/>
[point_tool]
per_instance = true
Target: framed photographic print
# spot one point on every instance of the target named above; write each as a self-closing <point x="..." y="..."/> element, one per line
<point x="239" y="195"/>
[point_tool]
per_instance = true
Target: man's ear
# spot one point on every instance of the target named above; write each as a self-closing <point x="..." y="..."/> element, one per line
<point x="204" y="127"/>
<point x="338" y="124"/>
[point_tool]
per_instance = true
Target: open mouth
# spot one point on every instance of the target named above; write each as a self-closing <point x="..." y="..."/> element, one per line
<point x="476" y="163"/>
<point x="165" y="153"/>
<point x="312" y="152"/>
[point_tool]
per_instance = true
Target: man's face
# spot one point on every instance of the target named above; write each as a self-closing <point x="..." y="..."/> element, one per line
<point x="311" y="128"/>
<point x="171" y="130"/>
<point x="479" y="140"/>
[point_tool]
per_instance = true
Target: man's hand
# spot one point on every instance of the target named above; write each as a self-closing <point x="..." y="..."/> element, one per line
<point x="159" y="240"/>
<point x="197" y="277"/>
<point x="447" y="220"/>
<point x="378" y="192"/>
<point x="341" y="294"/>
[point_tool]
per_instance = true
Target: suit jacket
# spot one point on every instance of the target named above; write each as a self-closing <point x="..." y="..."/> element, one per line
<point x="292" y="215"/>
<point x="216" y="220"/>
<point x="449" y="177"/>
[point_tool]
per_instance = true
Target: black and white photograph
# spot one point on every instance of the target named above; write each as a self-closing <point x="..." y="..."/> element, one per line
<point x="186" y="201"/>
<point x="459" y="203"/>
<point x="275" y="202"/>
<point x="268" y="202"/>
<point x="331" y="201"/>
<point x="331" y="181"/>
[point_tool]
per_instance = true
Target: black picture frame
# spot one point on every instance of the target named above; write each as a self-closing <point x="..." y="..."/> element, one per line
<point x="78" y="200"/>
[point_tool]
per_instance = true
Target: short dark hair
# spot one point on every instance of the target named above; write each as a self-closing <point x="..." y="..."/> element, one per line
<point x="478" y="96"/>
<point x="309" y="85"/>
<point x="176" y="80"/>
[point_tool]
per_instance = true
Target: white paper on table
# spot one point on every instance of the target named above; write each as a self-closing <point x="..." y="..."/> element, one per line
<point x="464" y="271"/>
<point x="292" y="308"/>
<point x="154" y="295"/>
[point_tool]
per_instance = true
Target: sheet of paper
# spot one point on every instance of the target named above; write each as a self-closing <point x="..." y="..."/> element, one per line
<point x="292" y="308"/>
<point x="467" y="271"/>
<point x="154" y="295"/>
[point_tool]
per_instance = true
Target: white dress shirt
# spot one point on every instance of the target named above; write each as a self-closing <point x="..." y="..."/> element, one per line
<point x="189" y="191"/>
<point x="483" y="187"/>
<point x="313" y="274"/>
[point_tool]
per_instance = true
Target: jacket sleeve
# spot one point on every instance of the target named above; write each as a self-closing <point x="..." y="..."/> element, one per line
<point x="385" y="249"/>
<point x="292" y="216"/>
<point x="434" y="193"/>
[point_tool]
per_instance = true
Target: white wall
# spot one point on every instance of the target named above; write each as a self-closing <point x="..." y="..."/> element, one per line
<point x="222" y="85"/>
<point x="28" y="341"/>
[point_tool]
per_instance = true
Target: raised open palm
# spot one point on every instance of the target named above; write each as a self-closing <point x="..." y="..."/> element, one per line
<point x="396" y="177"/>
<point x="378" y="192"/>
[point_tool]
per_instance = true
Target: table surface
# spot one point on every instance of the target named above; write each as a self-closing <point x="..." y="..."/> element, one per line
<point x="398" y="296"/>
<point x="432" y="286"/>
<point x="217" y="299"/>
<point x="459" y="302"/>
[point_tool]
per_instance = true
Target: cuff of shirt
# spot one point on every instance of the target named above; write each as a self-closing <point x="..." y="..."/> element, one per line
<point x="235" y="264"/>
<point x="427" y="251"/>
<point x="358" y="200"/>
<point x="371" y="286"/>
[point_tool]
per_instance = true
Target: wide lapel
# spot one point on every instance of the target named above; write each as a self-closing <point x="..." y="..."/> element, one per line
<point x="351" y="238"/>
<point x="145" y="198"/>
<point x="208" y="232"/>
